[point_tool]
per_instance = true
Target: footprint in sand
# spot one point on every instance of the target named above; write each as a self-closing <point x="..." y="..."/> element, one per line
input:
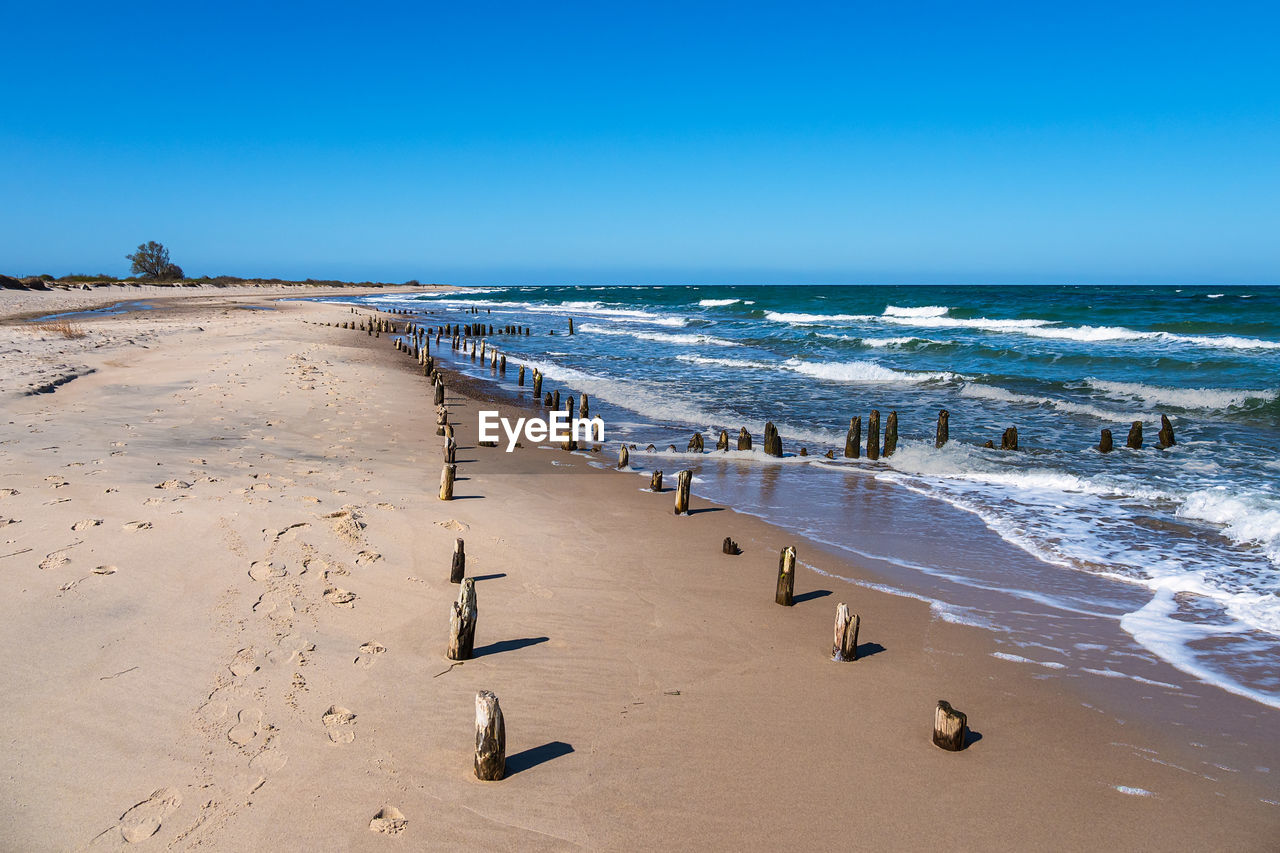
<point x="8" y="493"/>
<point x="263" y="570"/>
<point x="277" y="604"/>
<point x="339" y="597"/>
<point x="86" y="523"/>
<point x="104" y="570"/>
<point x="247" y="727"/>
<point x="143" y="820"/>
<point x="454" y="525"/>
<point x="173" y="484"/>
<point x="369" y="653"/>
<point x="133" y="526"/>
<point x="269" y="760"/>
<point x="346" y="523"/>
<point x="244" y="663"/>
<point x="55" y="560"/>
<point x="340" y="724"/>
<point x="366" y="557"/>
<point x="389" y="821"/>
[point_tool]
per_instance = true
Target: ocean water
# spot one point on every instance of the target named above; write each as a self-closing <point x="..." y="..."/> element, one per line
<point x="1180" y="547"/>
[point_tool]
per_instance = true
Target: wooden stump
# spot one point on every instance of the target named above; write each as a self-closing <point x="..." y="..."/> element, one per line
<point x="446" y="482"/>
<point x="571" y="325"/>
<point x="624" y="458"/>
<point x="584" y="407"/>
<point x="546" y="400"/>
<point x="873" y="435"/>
<point x="439" y="398"/>
<point x="730" y="547"/>
<point x="555" y="399"/>
<point x="462" y="622"/>
<point x="683" y="480"/>
<point x="1009" y="441"/>
<point x="491" y="738"/>
<point x="520" y="377"/>
<point x="944" y="428"/>
<point x="442" y="420"/>
<point x="1135" y="436"/>
<point x="450" y="450"/>
<point x="537" y="384"/>
<point x="695" y="443"/>
<point x="786" y="577"/>
<point x="722" y="443"/>
<point x="772" y="441"/>
<point x="845" y="645"/>
<point x="950" y="727"/>
<point x="1105" y="443"/>
<point x="891" y="434"/>
<point x="853" y="439"/>
<point x="459" y="568"/>
<point x="744" y="439"/>
<point x="655" y="481"/>
<point x="1166" y="433"/>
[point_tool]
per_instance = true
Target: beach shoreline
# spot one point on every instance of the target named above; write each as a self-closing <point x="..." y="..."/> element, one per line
<point x="652" y="687"/>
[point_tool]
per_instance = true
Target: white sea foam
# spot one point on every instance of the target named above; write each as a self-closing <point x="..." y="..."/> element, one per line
<point x="740" y="363"/>
<point x="661" y="337"/>
<point x="1133" y="792"/>
<point x="863" y="371"/>
<point x="797" y="319"/>
<point x="994" y="392"/>
<point x="1016" y="659"/>
<point x="925" y="311"/>
<point x="1151" y="396"/>
<point x="717" y="303"/>
<point x="1111" y="673"/>
<point x="1216" y="295"/>
<point x="1251" y="518"/>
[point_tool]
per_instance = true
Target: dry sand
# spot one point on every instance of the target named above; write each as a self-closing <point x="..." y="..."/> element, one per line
<point x="227" y="601"/>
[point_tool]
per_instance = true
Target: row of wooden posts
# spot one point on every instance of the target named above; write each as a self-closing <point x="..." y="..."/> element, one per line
<point x="950" y="726"/>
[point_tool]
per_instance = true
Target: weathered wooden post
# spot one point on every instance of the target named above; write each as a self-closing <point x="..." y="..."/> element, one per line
<point x="450" y="450"/>
<point x="439" y="397"/>
<point x="1009" y="441"/>
<point x="1166" y="433"/>
<point x="853" y="439"/>
<point x="873" y="435"/>
<point x="944" y="428"/>
<point x="1135" y="436"/>
<point x="1105" y="443"/>
<point x="683" y="481"/>
<point x="744" y="439"/>
<point x="571" y="325"/>
<point x="950" y="727"/>
<point x="845" y="646"/>
<point x="730" y="547"/>
<point x="555" y="399"/>
<point x="584" y="408"/>
<point x="520" y="377"/>
<point x="695" y="443"/>
<point x="491" y="738"/>
<point x="772" y="441"/>
<point x="537" y="384"/>
<point x="447" y="473"/>
<point x="891" y="434"/>
<point x="546" y="400"/>
<point x="786" y="577"/>
<point x="624" y="458"/>
<point x="462" y="622"/>
<point x="502" y="364"/>
<point x="655" y="481"/>
<point x="459" y="568"/>
<point x="722" y="443"/>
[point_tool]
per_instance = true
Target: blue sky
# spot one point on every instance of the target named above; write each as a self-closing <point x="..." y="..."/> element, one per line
<point x="646" y="142"/>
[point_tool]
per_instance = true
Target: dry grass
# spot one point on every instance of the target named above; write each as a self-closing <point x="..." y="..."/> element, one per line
<point x="62" y="327"/>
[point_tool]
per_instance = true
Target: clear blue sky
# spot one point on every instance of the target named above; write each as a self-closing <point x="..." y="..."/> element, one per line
<point x="600" y="142"/>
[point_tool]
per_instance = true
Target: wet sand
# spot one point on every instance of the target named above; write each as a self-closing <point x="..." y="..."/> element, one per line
<point x="228" y="605"/>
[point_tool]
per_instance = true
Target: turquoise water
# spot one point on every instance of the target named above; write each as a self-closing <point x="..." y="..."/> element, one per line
<point x="1180" y="546"/>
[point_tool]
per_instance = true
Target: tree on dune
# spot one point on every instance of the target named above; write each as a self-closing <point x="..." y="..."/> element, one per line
<point x="151" y="260"/>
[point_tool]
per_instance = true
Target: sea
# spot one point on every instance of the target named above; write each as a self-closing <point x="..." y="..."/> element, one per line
<point x="1179" y="547"/>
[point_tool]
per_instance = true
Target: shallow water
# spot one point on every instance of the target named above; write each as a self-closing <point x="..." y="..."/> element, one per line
<point x="1180" y="546"/>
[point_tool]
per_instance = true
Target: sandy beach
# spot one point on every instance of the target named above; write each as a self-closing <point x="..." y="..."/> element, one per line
<point x="228" y="604"/>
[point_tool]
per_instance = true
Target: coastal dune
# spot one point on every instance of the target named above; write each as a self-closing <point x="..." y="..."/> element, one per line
<point x="227" y="574"/>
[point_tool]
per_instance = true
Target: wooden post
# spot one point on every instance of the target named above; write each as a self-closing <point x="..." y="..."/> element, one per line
<point x="491" y="738"/>
<point x="537" y="384"/>
<point x="1166" y="433"/>
<point x="450" y="450"/>
<point x="786" y="576"/>
<point x="744" y="439"/>
<point x="772" y="441"/>
<point x="462" y="622"/>
<point x="624" y="458"/>
<point x="730" y="547"/>
<point x="944" y="428"/>
<point x="447" y="473"/>
<point x="722" y="443"/>
<point x="695" y="443"/>
<point x="891" y="434"/>
<point x="571" y="325"/>
<point x="584" y="408"/>
<point x="555" y="399"/>
<point x="845" y="646"/>
<point x="853" y="439"/>
<point x="683" y="481"/>
<point x="655" y="481"/>
<point x="459" y="568"/>
<point x="950" y="727"/>
<point x="873" y="435"/>
<point x="439" y="392"/>
<point x="442" y="419"/>
<point x="1135" y="436"/>
<point x="1105" y="444"/>
<point x="520" y="377"/>
<point x="1009" y="441"/>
